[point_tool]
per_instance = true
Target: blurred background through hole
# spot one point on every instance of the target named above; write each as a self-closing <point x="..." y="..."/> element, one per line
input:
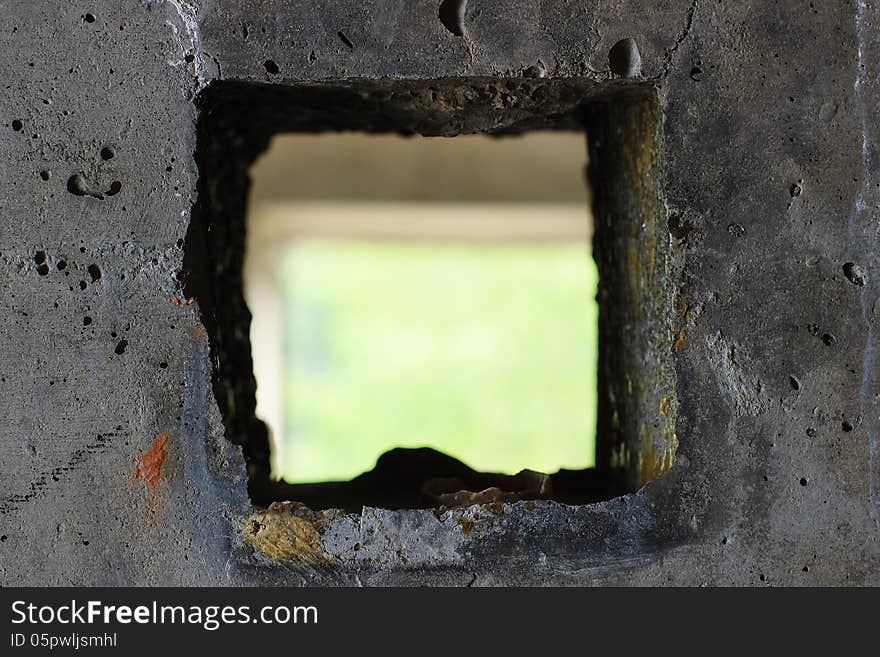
<point x="423" y="292"/>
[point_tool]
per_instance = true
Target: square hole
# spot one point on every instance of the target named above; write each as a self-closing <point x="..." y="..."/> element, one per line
<point x="635" y="437"/>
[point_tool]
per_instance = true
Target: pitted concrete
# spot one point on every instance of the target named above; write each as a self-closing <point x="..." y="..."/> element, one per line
<point x="770" y="190"/>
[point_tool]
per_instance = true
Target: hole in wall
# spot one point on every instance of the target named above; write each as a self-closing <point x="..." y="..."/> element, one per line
<point x="40" y="259"/>
<point x="451" y="14"/>
<point x="635" y="437"/>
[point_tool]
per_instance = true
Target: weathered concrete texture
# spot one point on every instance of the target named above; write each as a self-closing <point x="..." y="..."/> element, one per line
<point x="116" y="464"/>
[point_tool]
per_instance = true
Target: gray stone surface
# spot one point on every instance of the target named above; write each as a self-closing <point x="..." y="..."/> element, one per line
<point x="769" y="185"/>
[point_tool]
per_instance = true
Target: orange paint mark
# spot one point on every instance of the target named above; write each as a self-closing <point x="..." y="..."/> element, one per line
<point x="682" y="340"/>
<point x="149" y="464"/>
<point x="177" y="301"/>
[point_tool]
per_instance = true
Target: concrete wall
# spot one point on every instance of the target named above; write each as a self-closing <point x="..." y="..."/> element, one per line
<point x="760" y="289"/>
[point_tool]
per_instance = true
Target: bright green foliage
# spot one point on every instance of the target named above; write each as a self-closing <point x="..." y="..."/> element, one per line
<point x="487" y="353"/>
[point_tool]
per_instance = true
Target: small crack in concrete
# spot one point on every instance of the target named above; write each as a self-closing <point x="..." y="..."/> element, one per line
<point x="669" y="54"/>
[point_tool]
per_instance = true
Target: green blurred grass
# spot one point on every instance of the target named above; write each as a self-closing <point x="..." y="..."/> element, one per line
<point x="487" y="353"/>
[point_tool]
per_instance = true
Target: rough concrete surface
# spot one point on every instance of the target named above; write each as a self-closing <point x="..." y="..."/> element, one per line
<point x="755" y="304"/>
